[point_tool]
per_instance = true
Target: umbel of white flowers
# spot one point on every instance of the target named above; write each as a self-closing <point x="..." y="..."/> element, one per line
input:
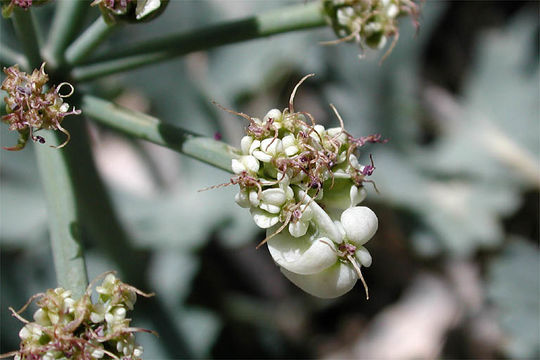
<point x="303" y="183"/>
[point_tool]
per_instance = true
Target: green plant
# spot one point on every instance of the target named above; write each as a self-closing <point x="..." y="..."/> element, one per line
<point x="442" y="192"/>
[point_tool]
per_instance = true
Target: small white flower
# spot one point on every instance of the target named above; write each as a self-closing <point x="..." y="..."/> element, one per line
<point x="269" y="149"/>
<point x="276" y="117"/>
<point x="245" y="163"/>
<point x="264" y="219"/>
<point x="41" y="317"/>
<point x="247" y="198"/>
<point x="289" y="145"/>
<point x="300" y="226"/>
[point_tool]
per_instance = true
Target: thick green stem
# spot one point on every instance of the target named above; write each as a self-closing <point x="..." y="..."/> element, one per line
<point x="64" y="219"/>
<point x="89" y="40"/>
<point x="27" y="34"/>
<point x="9" y="57"/>
<point x="67" y="22"/>
<point x="145" y="127"/>
<point x="102" y="225"/>
<point x="298" y="17"/>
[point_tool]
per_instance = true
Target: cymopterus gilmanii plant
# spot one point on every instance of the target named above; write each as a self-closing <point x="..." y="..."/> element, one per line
<point x="303" y="183"/>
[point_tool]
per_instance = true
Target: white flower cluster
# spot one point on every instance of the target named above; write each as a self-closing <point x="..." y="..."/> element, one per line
<point x="66" y="328"/>
<point x="367" y="22"/>
<point x="303" y="183"/>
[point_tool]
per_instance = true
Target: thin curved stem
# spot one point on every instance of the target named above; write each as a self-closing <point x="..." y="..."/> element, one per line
<point x="28" y="36"/>
<point x="146" y="127"/>
<point x="298" y="17"/>
<point x="67" y="22"/>
<point x="89" y="40"/>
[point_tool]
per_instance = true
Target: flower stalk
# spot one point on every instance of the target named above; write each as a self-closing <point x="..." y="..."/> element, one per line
<point x="88" y="41"/>
<point x="67" y="22"/>
<point x="294" y="18"/>
<point x="142" y="126"/>
<point x="28" y="35"/>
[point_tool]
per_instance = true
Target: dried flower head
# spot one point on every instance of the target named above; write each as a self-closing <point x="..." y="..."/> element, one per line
<point x="9" y="5"/>
<point x="68" y="328"/>
<point x="30" y="107"/>
<point x="302" y="183"/>
<point x="368" y="22"/>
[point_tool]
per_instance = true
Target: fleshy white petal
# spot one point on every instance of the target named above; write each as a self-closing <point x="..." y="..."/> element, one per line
<point x="264" y="219"/>
<point x="329" y="283"/>
<point x="273" y="209"/>
<point x="237" y="166"/>
<point x="245" y="144"/>
<point x="273" y="114"/>
<point x="242" y="199"/>
<point x="301" y="255"/>
<point x="274" y="196"/>
<point x="298" y="228"/>
<point x="363" y="256"/>
<point x="360" y="224"/>
<point x="262" y="156"/>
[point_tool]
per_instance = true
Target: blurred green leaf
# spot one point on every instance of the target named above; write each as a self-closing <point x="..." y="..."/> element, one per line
<point x="513" y="286"/>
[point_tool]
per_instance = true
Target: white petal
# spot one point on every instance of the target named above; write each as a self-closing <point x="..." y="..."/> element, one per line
<point x="298" y="228"/>
<point x="145" y="7"/>
<point x="330" y="283"/>
<point x="354" y="161"/>
<point x="360" y="224"/>
<point x="254" y="198"/>
<point x="264" y="219"/>
<point x="357" y="195"/>
<point x="363" y="256"/>
<point x="307" y="213"/>
<point x="272" y="146"/>
<point x="301" y="255"/>
<point x="273" y="114"/>
<point x="262" y="156"/>
<point x="274" y="196"/>
<point x="291" y="150"/>
<point x="251" y="163"/>
<point x="237" y="166"/>
<point x="245" y="144"/>
<point x="273" y="209"/>
<point x="288" y="140"/>
<point x="254" y="146"/>
<point x="242" y="199"/>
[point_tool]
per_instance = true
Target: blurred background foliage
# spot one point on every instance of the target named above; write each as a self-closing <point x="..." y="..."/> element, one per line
<point x="456" y="258"/>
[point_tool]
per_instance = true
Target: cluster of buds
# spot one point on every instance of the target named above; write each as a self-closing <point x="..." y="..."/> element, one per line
<point x="66" y="328"/>
<point x="302" y="183"/>
<point x="9" y="5"/>
<point x="368" y="22"/>
<point x="30" y="108"/>
<point x="130" y="10"/>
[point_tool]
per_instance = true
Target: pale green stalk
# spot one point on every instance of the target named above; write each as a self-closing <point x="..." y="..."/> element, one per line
<point x="28" y="36"/>
<point x="298" y="17"/>
<point x="89" y="40"/>
<point x="60" y="192"/>
<point x="67" y="22"/>
<point x="149" y="128"/>
<point x="63" y="217"/>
